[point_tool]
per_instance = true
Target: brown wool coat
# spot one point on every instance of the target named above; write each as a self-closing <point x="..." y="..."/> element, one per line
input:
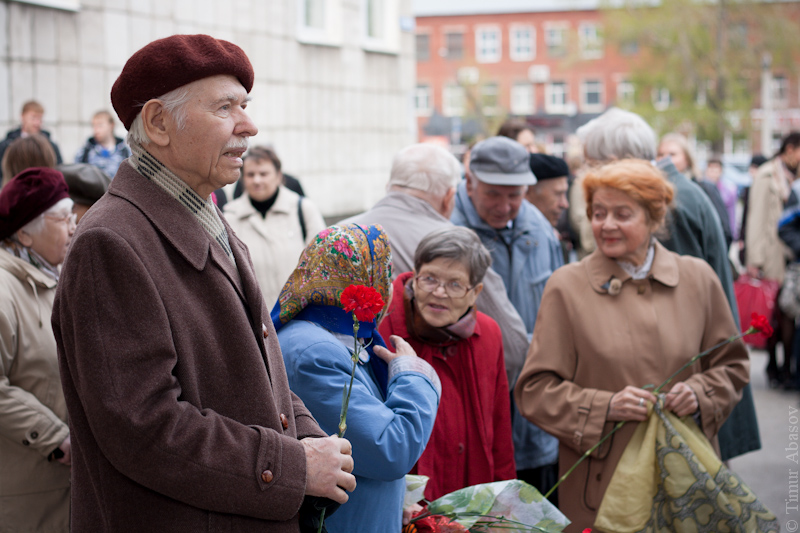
<point x="588" y="344"/>
<point x="173" y="376"/>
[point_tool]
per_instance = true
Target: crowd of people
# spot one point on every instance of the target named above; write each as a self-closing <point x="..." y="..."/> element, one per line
<point x="173" y="341"/>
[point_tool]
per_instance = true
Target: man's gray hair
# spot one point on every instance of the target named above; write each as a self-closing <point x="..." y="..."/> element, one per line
<point x="458" y="243"/>
<point x="618" y="134"/>
<point x="425" y="167"/>
<point x="174" y="102"/>
<point x="36" y="226"/>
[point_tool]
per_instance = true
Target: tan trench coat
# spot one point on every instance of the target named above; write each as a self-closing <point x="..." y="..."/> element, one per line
<point x="34" y="493"/>
<point x="275" y="242"/>
<point x="764" y="249"/>
<point x="588" y="345"/>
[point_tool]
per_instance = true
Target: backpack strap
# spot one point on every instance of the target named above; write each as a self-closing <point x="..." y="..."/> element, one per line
<point x="301" y="218"/>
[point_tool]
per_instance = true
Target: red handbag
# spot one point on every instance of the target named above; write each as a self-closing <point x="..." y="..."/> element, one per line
<point x="755" y="296"/>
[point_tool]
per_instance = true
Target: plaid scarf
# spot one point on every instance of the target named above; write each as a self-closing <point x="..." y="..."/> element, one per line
<point x="203" y="209"/>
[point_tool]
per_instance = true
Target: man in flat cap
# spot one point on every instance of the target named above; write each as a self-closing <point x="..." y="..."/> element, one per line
<point x="525" y="251"/>
<point x="181" y="411"/>
<point x="87" y="184"/>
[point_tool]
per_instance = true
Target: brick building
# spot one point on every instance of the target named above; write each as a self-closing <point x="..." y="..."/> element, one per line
<point x="545" y="61"/>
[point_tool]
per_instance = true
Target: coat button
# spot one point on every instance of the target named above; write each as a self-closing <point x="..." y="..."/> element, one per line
<point x="25" y="442"/>
<point x="264" y="330"/>
<point x="461" y="447"/>
<point x="284" y="421"/>
<point x="34" y="435"/>
<point x="266" y="476"/>
<point x="641" y="289"/>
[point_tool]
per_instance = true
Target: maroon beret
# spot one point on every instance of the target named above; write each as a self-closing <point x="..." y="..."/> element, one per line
<point x="172" y="62"/>
<point x="27" y="195"/>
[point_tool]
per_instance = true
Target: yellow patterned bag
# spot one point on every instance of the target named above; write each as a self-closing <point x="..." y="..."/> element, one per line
<point x="670" y="480"/>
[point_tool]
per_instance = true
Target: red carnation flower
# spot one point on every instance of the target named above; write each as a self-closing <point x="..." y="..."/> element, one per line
<point x="761" y="325"/>
<point x="364" y="302"/>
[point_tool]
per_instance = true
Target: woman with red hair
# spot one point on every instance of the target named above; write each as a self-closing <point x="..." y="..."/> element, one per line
<point x="630" y="314"/>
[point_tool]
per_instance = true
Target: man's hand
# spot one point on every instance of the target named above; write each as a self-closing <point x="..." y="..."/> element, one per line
<point x="401" y="347"/>
<point x="66" y="447"/>
<point x="328" y="468"/>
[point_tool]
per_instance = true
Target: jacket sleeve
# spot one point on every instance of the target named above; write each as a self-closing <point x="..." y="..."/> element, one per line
<point x="726" y="371"/>
<point x="21" y="413"/>
<point x="757" y="221"/>
<point x="388" y="436"/>
<point x="545" y="393"/>
<point x="120" y="355"/>
<point x="493" y="301"/>
<point x="715" y="252"/>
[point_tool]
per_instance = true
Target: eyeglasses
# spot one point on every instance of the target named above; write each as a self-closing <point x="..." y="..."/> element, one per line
<point x="454" y="289"/>
<point x="71" y="219"/>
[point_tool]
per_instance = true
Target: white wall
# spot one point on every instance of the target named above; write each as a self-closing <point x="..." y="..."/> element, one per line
<point x="335" y="114"/>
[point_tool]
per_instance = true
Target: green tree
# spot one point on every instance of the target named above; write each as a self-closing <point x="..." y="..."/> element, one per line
<point x="707" y="54"/>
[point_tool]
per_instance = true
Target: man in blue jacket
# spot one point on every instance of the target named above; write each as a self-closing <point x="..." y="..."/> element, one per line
<point x="525" y="252"/>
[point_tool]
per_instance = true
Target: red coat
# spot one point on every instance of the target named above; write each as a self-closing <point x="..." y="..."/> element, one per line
<point x="471" y="440"/>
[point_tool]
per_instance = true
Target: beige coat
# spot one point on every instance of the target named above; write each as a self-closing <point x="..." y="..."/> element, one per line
<point x="578" y="218"/>
<point x="769" y="191"/>
<point x="275" y="242"/>
<point x="34" y="493"/>
<point x="588" y="345"/>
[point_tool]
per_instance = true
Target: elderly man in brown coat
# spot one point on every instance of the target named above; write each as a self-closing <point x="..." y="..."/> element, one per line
<point x="181" y="414"/>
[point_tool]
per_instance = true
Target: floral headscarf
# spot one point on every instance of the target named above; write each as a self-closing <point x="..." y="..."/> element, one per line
<point x="338" y="256"/>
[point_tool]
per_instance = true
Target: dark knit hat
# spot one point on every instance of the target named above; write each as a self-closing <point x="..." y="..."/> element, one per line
<point x="172" y="62"/>
<point x="87" y="183"/>
<point x="29" y="194"/>
<point x="546" y="167"/>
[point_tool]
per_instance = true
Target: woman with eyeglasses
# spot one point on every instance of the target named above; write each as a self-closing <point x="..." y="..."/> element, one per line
<point x="433" y="309"/>
<point x="36" y="225"/>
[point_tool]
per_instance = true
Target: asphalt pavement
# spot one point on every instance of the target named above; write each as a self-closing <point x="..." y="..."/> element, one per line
<point x="773" y="472"/>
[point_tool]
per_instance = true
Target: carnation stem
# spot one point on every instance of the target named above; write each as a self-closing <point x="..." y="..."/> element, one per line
<point x="666" y="382"/>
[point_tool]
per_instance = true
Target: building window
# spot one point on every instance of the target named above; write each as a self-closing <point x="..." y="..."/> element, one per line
<point x="487" y="44"/>
<point x="423" y="47"/>
<point x="555" y="38"/>
<point x="592" y="96"/>
<point x="454" y="45"/>
<point x="780" y="90"/>
<point x="556" y="97"/>
<point x="453" y="100"/>
<point x="319" y="22"/>
<point x="625" y="93"/>
<point x="660" y="99"/>
<point x="590" y="41"/>
<point x="521" y="43"/>
<point x="422" y="100"/>
<point x="381" y="30"/>
<point x="489" y="103"/>
<point x="522" y="99"/>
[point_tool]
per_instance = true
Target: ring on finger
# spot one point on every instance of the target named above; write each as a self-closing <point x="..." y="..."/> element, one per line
<point x="641" y="402"/>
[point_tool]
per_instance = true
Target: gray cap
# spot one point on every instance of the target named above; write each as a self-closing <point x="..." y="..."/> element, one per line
<point x="86" y="183"/>
<point x="501" y="161"/>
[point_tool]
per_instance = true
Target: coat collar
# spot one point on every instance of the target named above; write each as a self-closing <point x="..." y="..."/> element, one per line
<point x="24" y="271"/>
<point x="600" y="269"/>
<point x="178" y="226"/>
<point x="241" y="207"/>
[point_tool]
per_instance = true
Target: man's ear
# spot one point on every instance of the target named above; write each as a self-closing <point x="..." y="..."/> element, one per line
<point x="448" y="203"/>
<point x="156" y="122"/>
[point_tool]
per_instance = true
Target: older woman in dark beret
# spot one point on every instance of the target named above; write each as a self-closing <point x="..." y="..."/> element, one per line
<point x="36" y="225"/>
<point x="630" y="314"/>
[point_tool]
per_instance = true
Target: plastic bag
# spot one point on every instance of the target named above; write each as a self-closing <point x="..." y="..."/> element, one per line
<point x="755" y="296"/>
